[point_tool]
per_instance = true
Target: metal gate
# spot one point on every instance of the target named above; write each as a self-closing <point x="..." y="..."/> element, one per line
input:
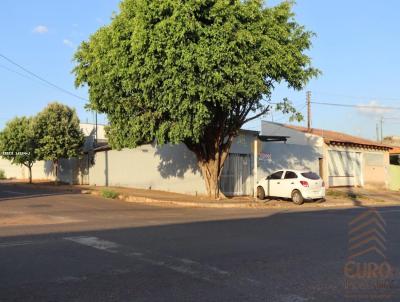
<point x="344" y="168"/>
<point x="236" y="175"/>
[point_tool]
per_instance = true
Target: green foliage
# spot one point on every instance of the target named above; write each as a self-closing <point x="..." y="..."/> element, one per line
<point x="176" y="70"/>
<point x="58" y="133"/>
<point x="2" y="174"/>
<point x="18" y="143"/>
<point x="106" y="193"/>
<point x="192" y="72"/>
<point x="286" y="107"/>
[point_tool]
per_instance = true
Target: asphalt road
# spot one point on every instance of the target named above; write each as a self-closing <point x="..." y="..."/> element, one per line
<point x="60" y="246"/>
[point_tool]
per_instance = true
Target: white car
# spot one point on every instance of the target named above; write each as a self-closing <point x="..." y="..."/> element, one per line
<point x="297" y="185"/>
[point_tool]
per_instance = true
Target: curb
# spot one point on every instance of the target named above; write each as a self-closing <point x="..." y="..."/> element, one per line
<point x="159" y="202"/>
<point x="258" y="205"/>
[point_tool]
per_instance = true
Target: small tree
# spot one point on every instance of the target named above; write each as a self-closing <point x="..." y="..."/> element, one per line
<point x="18" y="143"/>
<point x="192" y="72"/>
<point x="58" y="134"/>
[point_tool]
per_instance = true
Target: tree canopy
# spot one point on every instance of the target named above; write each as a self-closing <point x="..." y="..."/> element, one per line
<point x="192" y="71"/>
<point x="58" y="133"/>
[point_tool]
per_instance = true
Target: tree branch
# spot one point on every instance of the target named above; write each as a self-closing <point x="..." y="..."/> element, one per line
<point x="264" y="111"/>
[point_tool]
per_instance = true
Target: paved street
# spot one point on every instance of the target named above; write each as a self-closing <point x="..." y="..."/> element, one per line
<point x="61" y="246"/>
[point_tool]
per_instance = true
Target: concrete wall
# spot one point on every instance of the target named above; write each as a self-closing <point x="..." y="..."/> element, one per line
<point x="394" y="172"/>
<point x="376" y="175"/>
<point x="40" y="170"/>
<point x="168" y="168"/>
<point x="72" y="171"/>
<point x="301" y="151"/>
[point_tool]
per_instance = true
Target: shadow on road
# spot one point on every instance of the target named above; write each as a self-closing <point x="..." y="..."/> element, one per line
<point x="255" y="259"/>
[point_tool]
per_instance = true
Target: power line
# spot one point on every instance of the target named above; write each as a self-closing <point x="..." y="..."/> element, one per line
<point x="16" y="72"/>
<point x="357" y="106"/>
<point x="42" y="79"/>
<point x="357" y="97"/>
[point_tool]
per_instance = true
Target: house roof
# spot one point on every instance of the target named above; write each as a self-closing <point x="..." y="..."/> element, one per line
<point x="395" y="150"/>
<point x="338" y="138"/>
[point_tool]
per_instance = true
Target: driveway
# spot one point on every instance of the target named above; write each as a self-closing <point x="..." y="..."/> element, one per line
<point x="64" y="246"/>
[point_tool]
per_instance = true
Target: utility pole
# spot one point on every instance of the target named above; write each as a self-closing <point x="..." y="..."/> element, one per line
<point x="381" y="129"/>
<point x="308" y="94"/>
<point x="377" y="132"/>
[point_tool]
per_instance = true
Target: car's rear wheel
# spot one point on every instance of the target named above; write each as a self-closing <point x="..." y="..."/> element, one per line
<point x="260" y="193"/>
<point x="297" y="198"/>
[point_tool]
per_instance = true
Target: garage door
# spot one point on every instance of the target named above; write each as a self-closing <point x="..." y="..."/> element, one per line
<point x="236" y="175"/>
<point x="344" y="168"/>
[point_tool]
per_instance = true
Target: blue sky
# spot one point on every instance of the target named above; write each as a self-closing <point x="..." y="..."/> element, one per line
<point x="357" y="48"/>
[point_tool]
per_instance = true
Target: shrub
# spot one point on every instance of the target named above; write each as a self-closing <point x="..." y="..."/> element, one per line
<point x="109" y="193"/>
<point x="2" y="174"/>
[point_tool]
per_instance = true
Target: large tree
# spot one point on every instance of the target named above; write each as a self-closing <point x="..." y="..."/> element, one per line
<point x="18" y="143"/>
<point x="192" y="72"/>
<point x="58" y="134"/>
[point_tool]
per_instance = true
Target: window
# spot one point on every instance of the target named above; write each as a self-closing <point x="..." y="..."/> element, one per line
<point x="310" y="175"/>
<point x="290" y="175"/>
<point x="395" y="159"/>
<point x="276" y="175"/>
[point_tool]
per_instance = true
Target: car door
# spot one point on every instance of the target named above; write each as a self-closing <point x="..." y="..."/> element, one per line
<point x="274" y="183"/>
<point x="288" y="184"/>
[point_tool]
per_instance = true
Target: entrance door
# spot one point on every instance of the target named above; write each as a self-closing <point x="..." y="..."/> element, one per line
<point x="236" y="175"/>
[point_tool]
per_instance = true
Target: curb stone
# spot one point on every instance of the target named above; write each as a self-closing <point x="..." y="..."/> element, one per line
<point x="257" y="204"/>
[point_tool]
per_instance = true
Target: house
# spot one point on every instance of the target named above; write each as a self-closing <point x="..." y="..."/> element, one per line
<point x="340" y="159"/>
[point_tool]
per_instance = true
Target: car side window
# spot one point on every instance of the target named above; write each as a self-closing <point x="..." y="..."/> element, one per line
<point x="290" y="175"/>
<point x="276" y="175"/>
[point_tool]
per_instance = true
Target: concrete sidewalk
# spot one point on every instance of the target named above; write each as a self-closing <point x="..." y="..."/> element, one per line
<point x="343" y="197"/>
<point x="375" y="194"/>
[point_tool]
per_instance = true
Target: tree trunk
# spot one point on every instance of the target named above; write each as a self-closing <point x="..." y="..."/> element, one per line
<point x="211" y="170"/>
<point x="30" y="173"/>
<point x="211" y="152"/>
<point x="55" y="167"/>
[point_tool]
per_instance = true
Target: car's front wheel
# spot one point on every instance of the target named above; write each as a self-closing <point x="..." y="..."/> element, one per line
<point x="297" y="198"/>
<point x="260" y="193"/>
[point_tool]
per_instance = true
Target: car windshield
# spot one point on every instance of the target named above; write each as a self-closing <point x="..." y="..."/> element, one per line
<point x="310" y="175"/>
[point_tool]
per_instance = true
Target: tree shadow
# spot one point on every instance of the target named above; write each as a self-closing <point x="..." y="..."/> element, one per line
<point x="256" y="257"/>
<point x="175" y="160"/>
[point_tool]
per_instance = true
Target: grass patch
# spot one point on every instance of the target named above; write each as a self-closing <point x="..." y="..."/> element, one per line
<point x="2" y="174"/>
<point x="109" y="193"/>
<point x="343" y="194"/>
